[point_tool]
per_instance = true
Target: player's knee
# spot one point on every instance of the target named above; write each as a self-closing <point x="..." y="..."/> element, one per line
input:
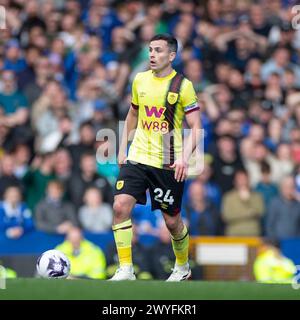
<point x="172" y="225"/>
<point x="121" y="208"/>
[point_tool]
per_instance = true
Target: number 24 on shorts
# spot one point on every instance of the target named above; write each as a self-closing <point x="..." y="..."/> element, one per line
<point x="167" y="198"/>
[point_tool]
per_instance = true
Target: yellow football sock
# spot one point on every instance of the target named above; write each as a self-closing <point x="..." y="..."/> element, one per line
<point x="180" y="245"/>
<point x="123" y="237"/>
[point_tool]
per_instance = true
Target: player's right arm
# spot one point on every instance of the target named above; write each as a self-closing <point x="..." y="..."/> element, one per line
<point x="130" y="125"/>
<point x="128" y="133"/>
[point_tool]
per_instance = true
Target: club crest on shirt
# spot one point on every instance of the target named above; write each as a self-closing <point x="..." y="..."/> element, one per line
<point x="172" y="97"/>
<point x="120" y="184"/>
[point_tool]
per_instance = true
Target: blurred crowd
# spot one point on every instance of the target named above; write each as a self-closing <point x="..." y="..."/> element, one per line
<point x="66" y="72"/>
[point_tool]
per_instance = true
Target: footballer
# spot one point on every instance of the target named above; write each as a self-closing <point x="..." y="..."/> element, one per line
<point x="158" y="158"/>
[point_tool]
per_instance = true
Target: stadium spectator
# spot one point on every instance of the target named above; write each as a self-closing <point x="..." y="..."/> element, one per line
<point x="68" y="33"/>
<point x="261" y="154"/>
<point x="225" y="162"/>
<point x="247" y="151"/>
<point x="222" y="128"/>
<point x="202" y="215"/>
<point x="221" y="100"/>
<point x="13" y="102"/>
<point x="14" y="110"/>
<point x="8" y="177"/>
<point x="87" y="137"/>
<point x="15" y="217"/>
<point x="41" y="70"/>
<point x="37" y="37"/>
<point x="107" y="160"/>
<point x="27" y="76"/>
<point x="212" y="190"/>
<point x="102" y="115"/>
<point x="265" y="187"/>
<point x="278" y="63"/>
<point x="140" y="62"/>
<point x="282" y="220"/>
<point x="284" y="162"/>
<point x="21" y="155"/>
<point x="53" y="214"/>
<point x="37" y="177"/>
<point x="13" y="57"/>
<point x="62" y="165"/>
<point x="86" y="259"/>
<point x="253" y="79"/>
<point x="48" y="123"/>
<point x="274" y="133"/>
<point x="236" y="118"/>
<point x="242" y="208"/>
<point x="94" y="215"/>
<point x="271" y="266"/>
<point x="239" y="89"/>
<point x="31" y="19"/>
<point x="43" y="101"/>
<point x="88" y="177"/>
<point x="273" y="98"/>
<point x="193" y="71"/>
<point x="256" y="133"/>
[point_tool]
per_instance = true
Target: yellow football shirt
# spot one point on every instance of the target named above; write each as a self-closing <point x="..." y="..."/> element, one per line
<point x="149" y="98"/>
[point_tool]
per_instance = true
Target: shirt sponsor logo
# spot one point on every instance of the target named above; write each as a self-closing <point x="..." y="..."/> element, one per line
<point x="154" y="111"/>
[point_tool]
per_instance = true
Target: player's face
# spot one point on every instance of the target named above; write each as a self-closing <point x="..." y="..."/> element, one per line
<point x="160" y="55"/>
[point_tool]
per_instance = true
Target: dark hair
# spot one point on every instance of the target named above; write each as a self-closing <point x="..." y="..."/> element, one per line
<point x="225" y="136"/>
<point x="87" y="123"/>
<point x="171" y="41"/>
<point x="265" y="167"/>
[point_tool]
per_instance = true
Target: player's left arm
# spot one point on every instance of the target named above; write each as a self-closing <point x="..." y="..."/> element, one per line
<point x="192" y="116"/>
<point x="192" y="140"/>
<point x="190" y="143"/>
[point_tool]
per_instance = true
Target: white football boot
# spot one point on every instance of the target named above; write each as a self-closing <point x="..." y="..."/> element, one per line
<point x="123" y="273"/>
<point x="180" y="273"/>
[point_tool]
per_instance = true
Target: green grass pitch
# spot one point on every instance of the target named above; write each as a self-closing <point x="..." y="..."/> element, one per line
<point x="55" y="289"/>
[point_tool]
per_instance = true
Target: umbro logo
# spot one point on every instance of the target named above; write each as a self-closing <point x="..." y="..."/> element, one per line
<point x="142" y="94"/>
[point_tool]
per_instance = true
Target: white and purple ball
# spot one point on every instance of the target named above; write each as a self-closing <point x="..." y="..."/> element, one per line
<point x="53" y="264"/>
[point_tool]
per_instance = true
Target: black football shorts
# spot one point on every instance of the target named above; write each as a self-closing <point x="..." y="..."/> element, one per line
<point x="165" y="191"/>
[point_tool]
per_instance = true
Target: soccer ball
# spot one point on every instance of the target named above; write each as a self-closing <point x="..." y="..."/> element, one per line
<point x="53" y="264"/>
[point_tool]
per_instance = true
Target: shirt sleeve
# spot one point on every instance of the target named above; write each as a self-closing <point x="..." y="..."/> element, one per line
<point x="134" y="99"/>
<point x="189" y="98"/>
